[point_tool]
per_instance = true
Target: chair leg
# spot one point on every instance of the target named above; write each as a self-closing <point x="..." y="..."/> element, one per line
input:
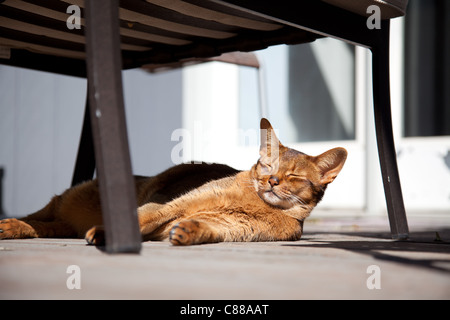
<point x="385" y="140"/>
<point x="85" y="163"/>
<point x="116" y="185"/>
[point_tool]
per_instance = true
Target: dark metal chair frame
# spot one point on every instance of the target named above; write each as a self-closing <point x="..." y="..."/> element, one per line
<point x="103" y="142"/>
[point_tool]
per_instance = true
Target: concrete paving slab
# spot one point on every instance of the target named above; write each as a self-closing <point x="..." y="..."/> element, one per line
<point x="332" y="261"/>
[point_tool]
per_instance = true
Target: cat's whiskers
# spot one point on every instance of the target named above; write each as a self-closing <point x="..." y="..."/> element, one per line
<point x="250" y="183"/>
<point x="298" y="200"/>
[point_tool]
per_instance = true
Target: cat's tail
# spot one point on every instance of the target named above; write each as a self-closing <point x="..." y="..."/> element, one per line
<point x="47" y="213"/>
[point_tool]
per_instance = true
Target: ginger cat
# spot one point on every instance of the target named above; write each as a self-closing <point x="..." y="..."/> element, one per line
<point x="267" y="203"/>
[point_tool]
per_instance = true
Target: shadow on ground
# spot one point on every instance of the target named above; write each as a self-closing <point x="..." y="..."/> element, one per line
<point x="380" y="247"/>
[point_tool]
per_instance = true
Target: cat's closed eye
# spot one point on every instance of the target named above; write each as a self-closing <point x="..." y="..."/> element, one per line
<point x="296" y="176"/>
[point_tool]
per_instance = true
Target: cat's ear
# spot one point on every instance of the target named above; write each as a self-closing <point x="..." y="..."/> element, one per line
<point x="330" y="164"/>
<point x="270" y="144"/>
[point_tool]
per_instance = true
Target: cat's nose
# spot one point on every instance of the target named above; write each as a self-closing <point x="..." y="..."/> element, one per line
<point x="274" y="181"/>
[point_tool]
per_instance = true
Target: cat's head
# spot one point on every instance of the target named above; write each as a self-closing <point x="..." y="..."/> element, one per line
<point x="286" y="178"/>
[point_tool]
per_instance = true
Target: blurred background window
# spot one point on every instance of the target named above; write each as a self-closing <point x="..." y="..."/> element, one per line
<point x="427" y="68"/>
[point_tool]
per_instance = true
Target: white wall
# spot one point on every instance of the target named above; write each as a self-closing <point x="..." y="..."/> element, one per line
<point x="40" y="123"/>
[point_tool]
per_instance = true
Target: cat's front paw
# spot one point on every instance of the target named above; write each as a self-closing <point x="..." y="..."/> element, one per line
<point x="95" y="236"/>
<point x="185" y="233"/>
<point x="15" y="229"/>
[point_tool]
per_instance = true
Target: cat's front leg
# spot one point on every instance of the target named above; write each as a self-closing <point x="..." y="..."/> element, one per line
<point x="95" y="236"/>
<point x="189" y="232"/>
<point x="152" y="218"/>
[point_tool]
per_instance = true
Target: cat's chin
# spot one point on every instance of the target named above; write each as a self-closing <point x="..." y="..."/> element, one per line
<point x="273" y="199"/>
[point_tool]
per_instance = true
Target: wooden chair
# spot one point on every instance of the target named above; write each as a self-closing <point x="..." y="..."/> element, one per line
<point x="133" y="33"/>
